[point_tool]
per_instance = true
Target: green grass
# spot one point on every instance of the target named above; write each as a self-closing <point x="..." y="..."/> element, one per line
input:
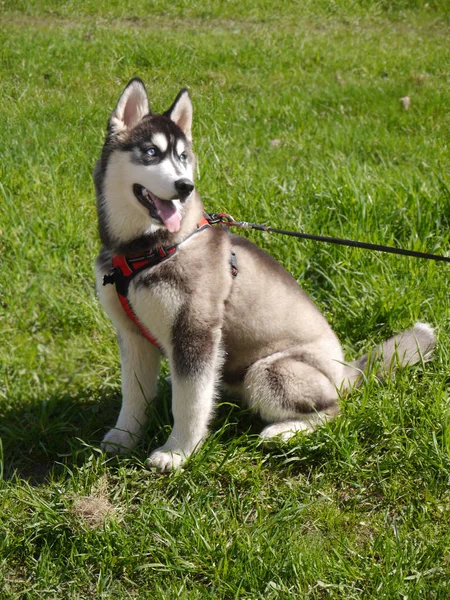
<point x="360" y="508"/>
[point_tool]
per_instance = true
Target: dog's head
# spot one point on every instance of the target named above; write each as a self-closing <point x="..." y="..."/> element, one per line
<point x="145" y="176"/>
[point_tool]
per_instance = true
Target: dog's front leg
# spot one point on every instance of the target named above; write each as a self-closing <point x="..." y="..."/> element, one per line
<point x="140" y="366"/>
<point x="195" y="372"/>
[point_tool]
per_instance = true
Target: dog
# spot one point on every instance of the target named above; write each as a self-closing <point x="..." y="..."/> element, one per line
<point x="219" y="308"/>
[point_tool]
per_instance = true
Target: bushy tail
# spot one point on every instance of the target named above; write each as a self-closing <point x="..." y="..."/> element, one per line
<point x="402" y="350"/>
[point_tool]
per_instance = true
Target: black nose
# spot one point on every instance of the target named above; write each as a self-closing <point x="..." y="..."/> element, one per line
<point x="184" y="187"/>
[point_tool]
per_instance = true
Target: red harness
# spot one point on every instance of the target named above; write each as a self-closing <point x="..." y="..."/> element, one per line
<point x="125" y="268"/>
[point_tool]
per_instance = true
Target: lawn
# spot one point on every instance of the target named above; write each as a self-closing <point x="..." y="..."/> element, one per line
<point x="298" y="124"/>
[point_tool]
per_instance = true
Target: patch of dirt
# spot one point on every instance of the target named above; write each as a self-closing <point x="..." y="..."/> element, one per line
<point x="93" y="510"/>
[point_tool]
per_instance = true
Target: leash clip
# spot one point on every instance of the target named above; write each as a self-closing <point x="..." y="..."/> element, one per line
<point x="224" y="218"/>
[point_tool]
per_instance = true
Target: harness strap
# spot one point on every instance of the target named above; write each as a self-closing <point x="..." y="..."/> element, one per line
<point x="125" y="268"/>
<point x="129" y="311"/>
<point x="121" y="274"/>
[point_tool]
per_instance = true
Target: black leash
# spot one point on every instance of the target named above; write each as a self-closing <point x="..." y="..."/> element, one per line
<point x="230" y="222"/>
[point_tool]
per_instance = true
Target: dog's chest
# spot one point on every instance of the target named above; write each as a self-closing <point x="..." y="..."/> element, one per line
<point x="154" y="296"/>
<point x="156" y="304"/>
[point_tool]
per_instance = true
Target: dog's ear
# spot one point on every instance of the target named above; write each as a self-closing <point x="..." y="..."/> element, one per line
<point x="131" y="108"/>
<point x="181" y="113"/>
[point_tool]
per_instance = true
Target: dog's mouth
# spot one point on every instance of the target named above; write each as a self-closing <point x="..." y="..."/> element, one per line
<point x="167" y="212"/>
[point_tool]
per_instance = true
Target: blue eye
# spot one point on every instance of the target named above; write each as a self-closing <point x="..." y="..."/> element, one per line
<point x="183" y="157"/>
<point x="151" y="151"/>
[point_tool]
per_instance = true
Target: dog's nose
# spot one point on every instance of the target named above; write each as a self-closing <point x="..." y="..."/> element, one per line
<point x="184" y="187"/>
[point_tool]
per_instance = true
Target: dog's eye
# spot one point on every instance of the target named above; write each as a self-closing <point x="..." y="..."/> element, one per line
<point x="151" y="151"/>
<point x="183" y="157"/>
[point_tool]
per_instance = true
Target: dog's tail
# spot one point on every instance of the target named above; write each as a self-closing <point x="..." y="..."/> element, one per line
<point x="402" y="350"/>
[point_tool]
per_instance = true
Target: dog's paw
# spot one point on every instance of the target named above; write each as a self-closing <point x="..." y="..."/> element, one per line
<point x="284" y="431"/>
<point x="165" y="460"/>
<point x="117" y="441"/>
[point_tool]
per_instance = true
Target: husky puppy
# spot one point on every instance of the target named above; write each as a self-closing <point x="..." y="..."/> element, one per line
<point x="257" y="332"/>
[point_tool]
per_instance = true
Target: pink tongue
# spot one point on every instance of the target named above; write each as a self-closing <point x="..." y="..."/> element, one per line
<point x="168" y="213"/>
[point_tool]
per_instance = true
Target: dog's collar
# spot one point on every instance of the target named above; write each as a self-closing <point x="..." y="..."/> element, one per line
<point x="134" y="263"/>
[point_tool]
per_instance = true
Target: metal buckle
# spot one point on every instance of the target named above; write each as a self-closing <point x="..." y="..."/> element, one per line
<point x="215" y="218"/>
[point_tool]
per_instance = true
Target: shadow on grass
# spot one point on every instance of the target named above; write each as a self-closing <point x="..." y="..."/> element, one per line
<point x="38" y="437"/>
<point x="41" y="439"/>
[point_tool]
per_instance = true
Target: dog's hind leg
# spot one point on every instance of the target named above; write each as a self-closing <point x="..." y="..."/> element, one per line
<point x="293" y="391"/>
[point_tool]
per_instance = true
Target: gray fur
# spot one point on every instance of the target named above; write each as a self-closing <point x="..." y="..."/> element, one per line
<point x="402" y="350"/>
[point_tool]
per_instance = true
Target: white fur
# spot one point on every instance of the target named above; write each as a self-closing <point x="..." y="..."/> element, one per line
<point x="126" y="216"/>
<point x="180" y="147"/>
<point x="140" y="367"/>
<point x="160" y="178"/>
<point x="157" y="308"/>
<point x="160" y="141"/>
<point x="287" y="429"/>
<point x="192" y="407"/>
